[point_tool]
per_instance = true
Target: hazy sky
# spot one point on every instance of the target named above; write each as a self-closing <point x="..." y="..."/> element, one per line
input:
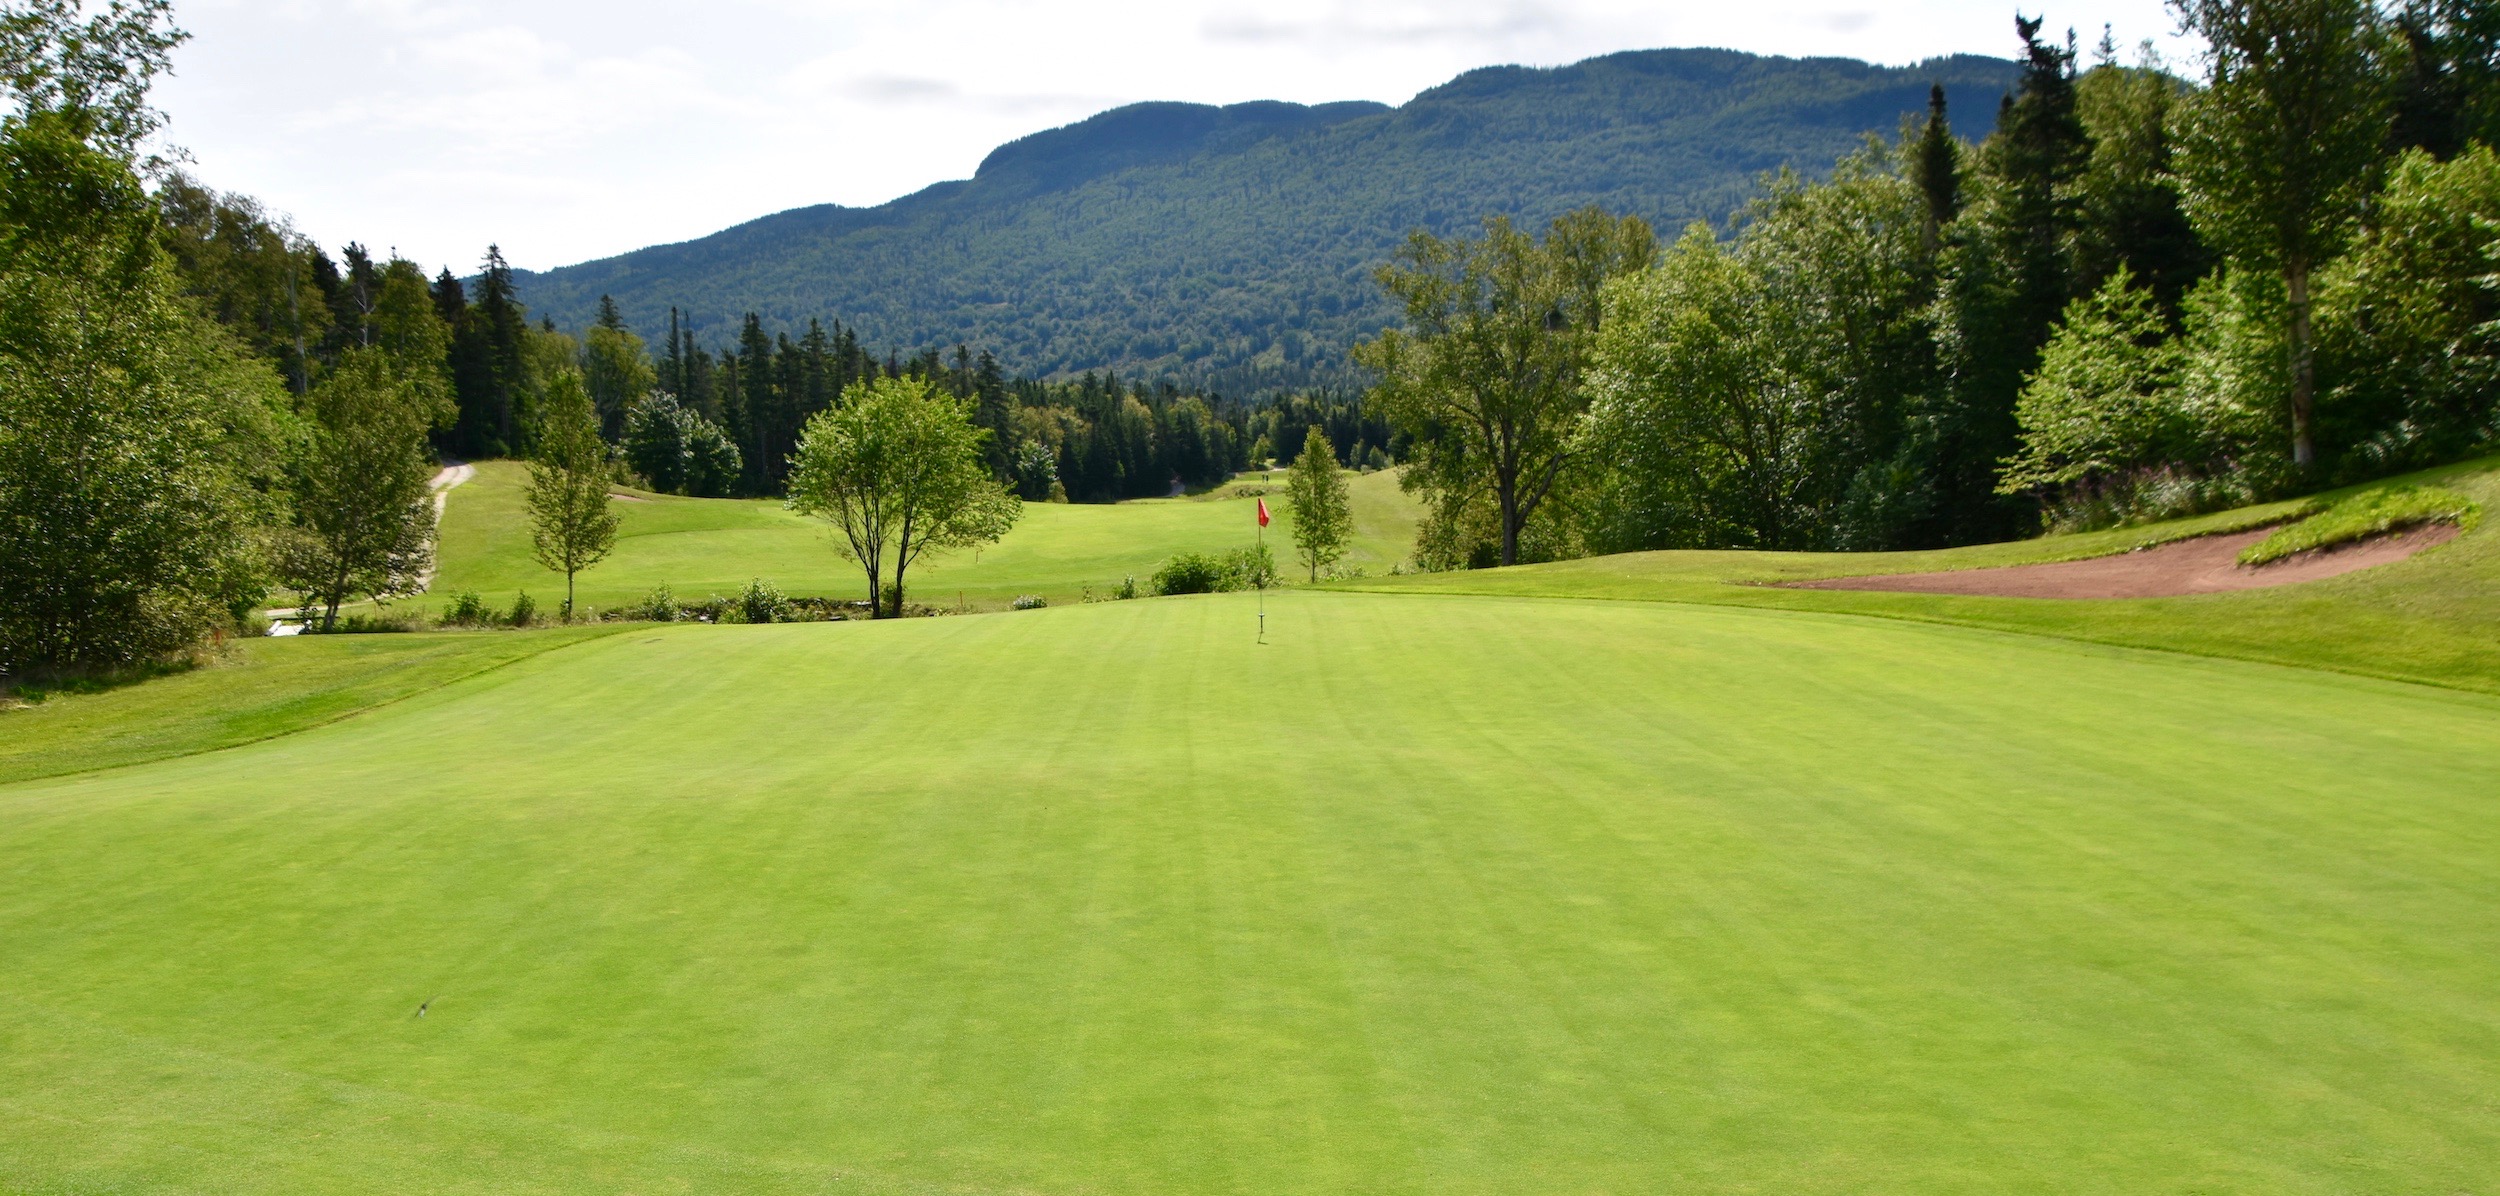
<point x="574" y="129"/>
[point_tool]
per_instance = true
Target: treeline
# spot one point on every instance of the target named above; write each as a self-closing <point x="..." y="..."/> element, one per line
<point x="2137" y="297"/>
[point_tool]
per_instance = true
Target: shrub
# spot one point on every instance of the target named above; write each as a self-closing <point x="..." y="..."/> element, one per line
<point x="763" y="603"/>
<point x="1127" y="590"/>
<point x="2362" y="516"/>
<point x="467" y="610"/>
<point x="380" y="623"/>
<point x="524" y="610"/>
<point x="1201" y="573"/>
<point x="1190" y="573"/>
<point x="658" y="606"/>
<point x="1028" y="602"/>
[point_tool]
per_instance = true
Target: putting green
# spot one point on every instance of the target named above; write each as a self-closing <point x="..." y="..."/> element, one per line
<point x="705" y="546"/>
<point x="1427" y="894"/>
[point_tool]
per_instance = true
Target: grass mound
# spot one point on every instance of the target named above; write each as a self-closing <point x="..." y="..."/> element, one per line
<point x="2372" y="512"/>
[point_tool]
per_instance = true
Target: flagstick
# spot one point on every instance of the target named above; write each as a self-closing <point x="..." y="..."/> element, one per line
<point x="1263" y="585"/>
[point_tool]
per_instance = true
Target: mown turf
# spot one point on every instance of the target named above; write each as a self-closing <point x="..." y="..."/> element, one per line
<point x="1429" y="894"/>
<point x="252" y="690"/>
<point x="700" y="547"/>
<point x="2432" y="619"/>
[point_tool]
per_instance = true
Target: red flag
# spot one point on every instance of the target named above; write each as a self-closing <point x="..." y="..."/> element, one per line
<point x="1262" y="512"/>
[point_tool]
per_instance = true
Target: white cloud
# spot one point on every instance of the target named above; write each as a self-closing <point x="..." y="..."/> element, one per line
<point x="571" y="129"/>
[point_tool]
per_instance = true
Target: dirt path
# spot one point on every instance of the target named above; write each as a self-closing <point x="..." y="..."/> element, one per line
<point x="2205" y="565"/>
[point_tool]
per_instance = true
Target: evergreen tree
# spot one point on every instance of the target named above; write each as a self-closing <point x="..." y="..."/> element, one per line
<point x="1936" y="167"/>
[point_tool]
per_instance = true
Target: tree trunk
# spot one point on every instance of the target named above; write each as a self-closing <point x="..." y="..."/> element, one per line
<point x="2304" y="368"/>
<point x="1507" y="497"/>
<point x="876" y="593"/>
<point x="568" y="596"/>
<point x="899" y="559"/>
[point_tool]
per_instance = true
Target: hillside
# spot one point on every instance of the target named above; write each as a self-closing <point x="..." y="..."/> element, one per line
<point x="1233" y="246"/>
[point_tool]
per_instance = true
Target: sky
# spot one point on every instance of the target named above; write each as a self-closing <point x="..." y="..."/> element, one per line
<point x="569" y="130"/>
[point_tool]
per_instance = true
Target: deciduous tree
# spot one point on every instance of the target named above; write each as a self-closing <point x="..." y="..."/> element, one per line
<point x="1315" y="495"/>
<point x="2274" y="153"/>
<point x="897" y="467"/>
<point x="364" y="507"/>
<point x="571" y="524"/>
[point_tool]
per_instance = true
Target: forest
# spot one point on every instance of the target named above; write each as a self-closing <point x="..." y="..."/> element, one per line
<point x="2137" y="297"/>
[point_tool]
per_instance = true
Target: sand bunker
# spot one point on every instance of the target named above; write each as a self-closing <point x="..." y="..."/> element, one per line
<point x="2205" y="565"/>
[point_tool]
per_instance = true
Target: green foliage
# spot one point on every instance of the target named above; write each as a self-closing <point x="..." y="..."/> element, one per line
<point x="677" y="450"/>
<point x="363" y="506"/>
<point x="525" y="610"/>
<point x="134" y="438"/>
<point x="1230" y="249"/>
<point x="617" y="372"/>
<point x="762" y="602"/>
<point x="571" y="525"/>
<point x="2371" y="513"/>
<point x="2103" y="403"/>
<point x="1193" y="573"/>
<point x="658" y="606"/>
<point x="1028" y="602"/>
<point x="1484" y="379"/>
<point x="2275" y="154"/>
<point x="897" y="467"/>
<point x="2409" y="320"/>
<point x="90" y="75"/>
<point x="1315" y="496"/>
<point x="466" y="609"/>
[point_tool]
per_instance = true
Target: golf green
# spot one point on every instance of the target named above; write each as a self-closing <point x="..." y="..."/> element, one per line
<point x="1425" y="894"/>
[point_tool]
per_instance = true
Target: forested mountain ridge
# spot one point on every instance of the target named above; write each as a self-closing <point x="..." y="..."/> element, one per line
<point x="1232" y="247"/>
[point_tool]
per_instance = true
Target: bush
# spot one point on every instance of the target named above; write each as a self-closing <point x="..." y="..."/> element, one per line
<point x="1127" y="590"/>
<point x="524" y="610"/>
<point x="763" y="603"/>
<point x="381" y="623"/>
<point x="658" y="606"/>
<point x="467" y="610"/>
<point x="1202" y="573"/>
<point x="1028" y="602"/>
<point x="1191" y="573"/>
<point x="2362" y="516"/>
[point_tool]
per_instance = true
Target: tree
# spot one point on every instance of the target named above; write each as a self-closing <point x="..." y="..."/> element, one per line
<point x="898" y="468"/>
<point x="677" y="450"/>
<point x="1485" y="377"/>
<point x="1315" y="495"/>
<point x="570" y="522"/>
<point x="2273" y="154"/>
<point x="617" y="372"/>
<point x="94" y="74"/>
<point x="2101" y="406"/>
<point x="1936" y="167"/>
<point x="131" y="430"/>
<point x="363" y="500"/>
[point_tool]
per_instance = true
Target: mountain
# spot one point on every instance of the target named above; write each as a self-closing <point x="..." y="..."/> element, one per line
<point x="1232" y="247"/>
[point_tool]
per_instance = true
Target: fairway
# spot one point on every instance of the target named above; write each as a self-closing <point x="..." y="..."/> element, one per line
<point x="1429" y="894"/>
<point x="1061" y="551"/>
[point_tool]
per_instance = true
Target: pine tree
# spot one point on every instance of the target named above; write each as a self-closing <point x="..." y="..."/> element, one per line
<point x="1937" y="166"/>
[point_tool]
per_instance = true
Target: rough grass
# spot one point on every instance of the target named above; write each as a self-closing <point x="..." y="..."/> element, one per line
<point x="1460" y="895"/>
<point x="2428" y="619"/>
<point x="256" y="689"/>
<point x="2371" y="512"/>
<point x="700" y="547"/>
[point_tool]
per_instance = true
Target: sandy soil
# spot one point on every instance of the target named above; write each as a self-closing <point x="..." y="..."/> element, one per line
<point x="2205" y="565"/>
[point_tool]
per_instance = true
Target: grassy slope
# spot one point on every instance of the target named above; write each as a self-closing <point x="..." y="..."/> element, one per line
<point x="258" y="689"/>
<point x="2434" y="619"/>
<point x="714" y="546"/>
<point x="1473" y="896"/>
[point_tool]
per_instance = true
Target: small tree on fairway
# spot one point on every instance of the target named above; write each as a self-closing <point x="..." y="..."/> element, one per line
<point x="364" y="507"/>
<point x="1315" y="493"/>
<point x="2274" y="153"/>
<point x="568" y="489"/>
<point x="897" y="467"/>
